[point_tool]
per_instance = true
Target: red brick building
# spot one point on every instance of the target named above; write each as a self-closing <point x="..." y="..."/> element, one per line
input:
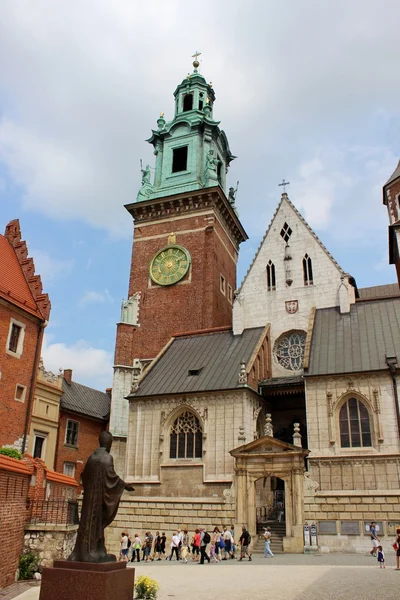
<point x="391" y="198"/>
<point x="84" y="414"/>
<point x="24" y="312"/>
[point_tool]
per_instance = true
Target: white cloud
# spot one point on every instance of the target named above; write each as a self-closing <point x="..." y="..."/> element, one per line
<point x="83" y="84"/>
<point x="47" y="267"/>
<point x="93" y="297"/>
<point x="91" y="366"/>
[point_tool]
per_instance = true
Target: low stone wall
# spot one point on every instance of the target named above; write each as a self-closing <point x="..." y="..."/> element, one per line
<point x="140" y="514"/>
<point x="342" y="518"/>
<point x="49" y="542"/>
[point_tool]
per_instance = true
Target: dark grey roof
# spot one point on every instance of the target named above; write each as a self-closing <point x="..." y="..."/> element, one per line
<point x="390" y="290"/>
<point x="356" y="341"/>
<point x="216" y="355"/>
<point x="85" y="400"/>
<point x="394" y="175"/>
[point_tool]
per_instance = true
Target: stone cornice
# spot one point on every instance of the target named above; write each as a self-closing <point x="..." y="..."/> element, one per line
<point x="188" y="203"/>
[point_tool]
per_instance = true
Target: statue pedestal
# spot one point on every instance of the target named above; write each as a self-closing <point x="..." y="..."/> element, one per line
<point x="84" y="581"/>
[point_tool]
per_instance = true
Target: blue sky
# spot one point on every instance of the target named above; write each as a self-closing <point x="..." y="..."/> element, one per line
<point x="305" y="90"/>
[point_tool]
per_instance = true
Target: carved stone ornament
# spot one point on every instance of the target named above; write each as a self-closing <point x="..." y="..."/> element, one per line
<point x="242" y="379"/>
<point x="292" y="306"/>
<point x="268" y="427"/>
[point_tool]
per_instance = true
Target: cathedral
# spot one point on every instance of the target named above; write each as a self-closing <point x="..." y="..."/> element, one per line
<point x="270" y="402"/>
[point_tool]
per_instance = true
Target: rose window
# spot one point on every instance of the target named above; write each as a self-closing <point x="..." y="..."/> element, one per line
<point x="289" y="350"/>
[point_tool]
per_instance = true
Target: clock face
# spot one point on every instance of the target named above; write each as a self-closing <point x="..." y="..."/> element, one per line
<point x="169" y="265"/>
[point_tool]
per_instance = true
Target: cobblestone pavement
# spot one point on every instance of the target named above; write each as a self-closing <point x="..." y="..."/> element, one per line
<point x="285" y="577"/>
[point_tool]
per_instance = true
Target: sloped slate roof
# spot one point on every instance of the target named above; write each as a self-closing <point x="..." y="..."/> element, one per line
<point x="216" y="355"/>
<point x="13" y="284"/>
<point x="394" y="175"/>
<point x="390" y="290"/>
<point x="357" y="341"/>
<point x="85" y="400"/>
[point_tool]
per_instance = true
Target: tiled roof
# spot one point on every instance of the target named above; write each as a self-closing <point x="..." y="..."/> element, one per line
<point x="390" y="290"/>
<point x="357" y="341"/>
<point x="216" y="357"/>
<point x="13" y="285"/>
<point x="85" y="400"/>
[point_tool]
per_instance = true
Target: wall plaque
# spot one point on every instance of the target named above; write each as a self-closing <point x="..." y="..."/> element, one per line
<point x="391" y="527"/>
<point x="327" y="527"/>
<point x="350" y="527"/>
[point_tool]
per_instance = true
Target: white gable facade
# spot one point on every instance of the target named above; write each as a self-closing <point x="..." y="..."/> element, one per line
<point x="291" y="274"/>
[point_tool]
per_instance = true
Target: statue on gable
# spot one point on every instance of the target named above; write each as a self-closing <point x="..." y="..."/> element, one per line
<point x="146" y="188"/>
<point x="232" y="197"/>
<point x="210" y="170"/>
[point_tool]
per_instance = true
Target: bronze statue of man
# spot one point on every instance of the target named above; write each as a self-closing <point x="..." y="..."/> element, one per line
<point x="102" y="491"/>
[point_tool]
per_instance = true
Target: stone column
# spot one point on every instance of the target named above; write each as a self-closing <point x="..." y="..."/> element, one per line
<point x="241" y="501"/>
<point x="298" y="499"/>
<point x="288" y="506"/>
<point x="251" y="507"/>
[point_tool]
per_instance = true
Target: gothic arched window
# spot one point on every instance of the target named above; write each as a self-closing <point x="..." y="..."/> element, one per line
<point x="186" y="438"/>
<point x="355" y="429"/>
<point x="271" y="283"/>
<point x="307" y="270"/>
<point x="289" y="350"/>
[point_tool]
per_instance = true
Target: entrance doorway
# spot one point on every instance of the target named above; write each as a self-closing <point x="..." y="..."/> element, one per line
<point x="269" y="486"/>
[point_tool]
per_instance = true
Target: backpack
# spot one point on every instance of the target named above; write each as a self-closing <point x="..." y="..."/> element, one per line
<point x="206" y="538"/>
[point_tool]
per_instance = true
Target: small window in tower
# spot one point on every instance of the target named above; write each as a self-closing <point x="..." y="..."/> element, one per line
<point x="271" y="283"/>
<point x="222" y="284"/>
<point x="179" y="159"/>
<point x="286" y="232"/>
<point x="230" y="293"/>
<point x="219" y="170"/>
<point x="307" y="270"/>
<point x="187" y="102"/>
<point x="20" y="392"/>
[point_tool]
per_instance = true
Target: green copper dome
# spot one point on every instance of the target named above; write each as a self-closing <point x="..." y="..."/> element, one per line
<point x="191" y="151"/>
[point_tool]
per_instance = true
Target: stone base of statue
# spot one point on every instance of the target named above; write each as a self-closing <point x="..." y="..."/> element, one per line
<point x="68" y="580"/>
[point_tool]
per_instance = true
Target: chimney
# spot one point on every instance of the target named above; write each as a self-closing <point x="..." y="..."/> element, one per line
<point x="108" y="392"/>
<point x="68" y="376"/>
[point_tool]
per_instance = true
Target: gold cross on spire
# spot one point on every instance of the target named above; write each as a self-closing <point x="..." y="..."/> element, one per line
<point x="196" y="55"/>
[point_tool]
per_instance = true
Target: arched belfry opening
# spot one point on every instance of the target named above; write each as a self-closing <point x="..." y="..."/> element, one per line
<point x="187" y="102"/>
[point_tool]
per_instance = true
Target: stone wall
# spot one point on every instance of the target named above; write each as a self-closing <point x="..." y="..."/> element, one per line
<point x="228" y="420"/>
<point x="140" y="514"/>
<point x="50" y="542"/>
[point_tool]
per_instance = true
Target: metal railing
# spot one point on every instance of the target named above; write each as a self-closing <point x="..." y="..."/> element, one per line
<point x="54" y="512"/>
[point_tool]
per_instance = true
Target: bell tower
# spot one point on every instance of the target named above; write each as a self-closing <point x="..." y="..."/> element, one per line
<point x="186" y="240"/>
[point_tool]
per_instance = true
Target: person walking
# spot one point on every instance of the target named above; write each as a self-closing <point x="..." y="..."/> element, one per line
<point x="233" y="552"/>
<point x="148" y="545"/>
<point x="137" y="544"/>
<point x="157" y="546"/>
<point x="381" y="558"/>
<point x="245" y="540"/>
<point x="124" y="547"/>
<point x="174" y="546"/>
<point x="396" y="546"/>
<point x="267" y="548"/>
<point x="163" y="543"/>
<point x="227" y="537"/>
<point x="374" y="538"/>
<point x="204" y="540"/>
<point x="196" y="545"/>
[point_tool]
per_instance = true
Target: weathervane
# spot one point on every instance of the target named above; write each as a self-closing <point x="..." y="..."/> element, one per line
<point x="284" y="184"/>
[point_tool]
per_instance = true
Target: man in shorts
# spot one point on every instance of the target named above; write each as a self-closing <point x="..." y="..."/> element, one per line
<point x="124" y="547"/>
<point x="374" y="538"/>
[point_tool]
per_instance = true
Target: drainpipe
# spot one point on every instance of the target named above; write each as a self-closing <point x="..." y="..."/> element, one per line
<point x="391" y="362"/>
<point x="33" y="382"/>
